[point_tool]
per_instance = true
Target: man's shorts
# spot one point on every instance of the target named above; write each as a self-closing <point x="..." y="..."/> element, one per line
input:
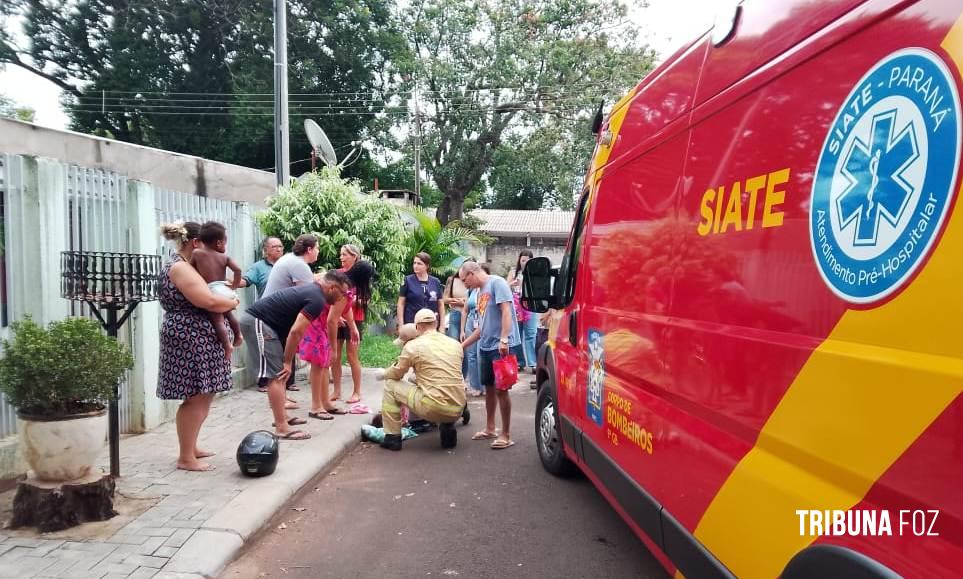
<point x="485" y="369"/>
<point x="271" y="359"/>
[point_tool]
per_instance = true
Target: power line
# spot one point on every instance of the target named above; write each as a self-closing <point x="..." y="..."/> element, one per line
<point x="570" y="86"/>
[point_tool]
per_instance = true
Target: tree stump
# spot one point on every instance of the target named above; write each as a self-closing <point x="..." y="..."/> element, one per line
<point x="52" y="506"/>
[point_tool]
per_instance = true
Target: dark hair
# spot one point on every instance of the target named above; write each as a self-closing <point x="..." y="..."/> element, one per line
<point x="338" y="277"/>
<point x="518" y="263"/>
<point x="303" y="243"/>
<point x="212" y="232"/>
<point x="486" y="267"/>
<point x="360" y="275"/>
<point x="266" y="240"/>
<point x="424" y="257"/>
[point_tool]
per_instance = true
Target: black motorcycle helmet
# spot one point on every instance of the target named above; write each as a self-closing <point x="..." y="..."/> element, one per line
<point x="257" y="454"/>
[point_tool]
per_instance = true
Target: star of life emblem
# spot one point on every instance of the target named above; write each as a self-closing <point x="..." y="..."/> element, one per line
<point x="886" y="176"/>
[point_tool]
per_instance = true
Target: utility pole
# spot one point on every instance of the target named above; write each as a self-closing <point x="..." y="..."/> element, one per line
<point x="282" y="167"/>
<point x="417" y="147"/>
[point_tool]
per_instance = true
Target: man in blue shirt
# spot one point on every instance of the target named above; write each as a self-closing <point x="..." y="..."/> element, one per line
<point x="497" y="334"/>
<point x="257" y="275"/>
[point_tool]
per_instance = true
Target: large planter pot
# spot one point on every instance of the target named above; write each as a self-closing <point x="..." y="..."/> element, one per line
<point x="63" y="449"/>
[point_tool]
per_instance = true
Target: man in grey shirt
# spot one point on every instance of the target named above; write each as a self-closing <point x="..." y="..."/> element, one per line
<point x="293" y="269"/>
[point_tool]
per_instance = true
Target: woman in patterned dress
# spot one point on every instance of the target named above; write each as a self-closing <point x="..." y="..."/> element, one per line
<point x="193" y="366"/>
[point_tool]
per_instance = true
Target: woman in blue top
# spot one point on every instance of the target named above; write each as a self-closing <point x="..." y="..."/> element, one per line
<point x="419" y="290"/>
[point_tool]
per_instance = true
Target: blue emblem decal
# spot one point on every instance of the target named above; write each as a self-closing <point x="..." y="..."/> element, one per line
<point x="596" y="376"/>
<point x="886" y="176"/>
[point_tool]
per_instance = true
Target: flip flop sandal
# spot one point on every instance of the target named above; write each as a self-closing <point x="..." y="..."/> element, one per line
<point x="293" y="388"/>
<point x="353" y="400"/>
<point x="336" y="410"/>
<point x="294" y="421"/>
<point x="320" y="415"/>
<point x="295" y="435"/>
<point x="500" y="444"/>
<point x="359" y="408"/>
<point x="483" y="435"/>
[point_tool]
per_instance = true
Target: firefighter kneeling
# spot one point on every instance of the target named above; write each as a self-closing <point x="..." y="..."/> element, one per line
<point x="438" y="395"/>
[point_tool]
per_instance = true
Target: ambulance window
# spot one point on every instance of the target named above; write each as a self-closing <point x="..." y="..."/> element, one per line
<point x="567" y="271"/>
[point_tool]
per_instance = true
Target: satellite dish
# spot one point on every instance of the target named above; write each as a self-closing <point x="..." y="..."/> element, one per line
<point x="320" y="143"/>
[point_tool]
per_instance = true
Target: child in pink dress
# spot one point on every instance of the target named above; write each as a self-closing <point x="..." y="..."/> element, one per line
<point x="316" y="348"/>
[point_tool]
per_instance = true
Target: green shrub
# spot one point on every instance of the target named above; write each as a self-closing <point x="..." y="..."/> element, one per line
<point x="70" y="367"/>
<point x="337" y="211"/>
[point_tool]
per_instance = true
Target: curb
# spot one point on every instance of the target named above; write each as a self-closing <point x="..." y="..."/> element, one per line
<point x="222" y="537"/>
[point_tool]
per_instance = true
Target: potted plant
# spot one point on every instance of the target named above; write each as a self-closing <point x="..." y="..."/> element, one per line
<point x="60" y="379"/>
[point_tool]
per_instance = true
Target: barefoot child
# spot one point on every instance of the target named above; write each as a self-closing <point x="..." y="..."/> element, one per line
<point x="211" y="261"/>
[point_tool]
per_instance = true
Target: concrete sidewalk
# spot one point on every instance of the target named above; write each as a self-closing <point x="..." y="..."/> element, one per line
<point x="188" y="524"/>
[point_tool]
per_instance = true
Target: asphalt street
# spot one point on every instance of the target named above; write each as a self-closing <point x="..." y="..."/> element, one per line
<point x="428" y="512"/>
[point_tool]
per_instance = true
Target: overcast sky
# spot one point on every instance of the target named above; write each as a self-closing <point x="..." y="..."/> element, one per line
<point x="666" y="25"/>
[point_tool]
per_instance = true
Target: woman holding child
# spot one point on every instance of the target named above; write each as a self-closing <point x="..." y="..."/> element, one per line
<point x="193" y="364"/>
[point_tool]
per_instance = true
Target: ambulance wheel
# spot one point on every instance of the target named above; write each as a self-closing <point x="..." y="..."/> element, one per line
<point x="548" y="438"/>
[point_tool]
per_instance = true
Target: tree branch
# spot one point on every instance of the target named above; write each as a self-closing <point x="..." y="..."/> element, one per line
<point x="59" y="82"/>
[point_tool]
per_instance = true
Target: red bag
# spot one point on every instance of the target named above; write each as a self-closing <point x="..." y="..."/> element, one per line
<point x="506" y="372"/>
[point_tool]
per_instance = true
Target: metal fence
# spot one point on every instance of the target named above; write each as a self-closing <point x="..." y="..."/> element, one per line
<point x="8" y="417"/>
<point x="97" y="220"/>
<point x="97" y="216"/>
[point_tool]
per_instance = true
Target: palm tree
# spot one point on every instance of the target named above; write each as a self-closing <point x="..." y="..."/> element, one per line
<point x="443" y="244"/>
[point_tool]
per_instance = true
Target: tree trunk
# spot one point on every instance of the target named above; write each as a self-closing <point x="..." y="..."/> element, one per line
<point x="456" y="209"/>
<point x="443" y="213"/>
<point x="451" y="208"/>
<point x="54" y="506"/>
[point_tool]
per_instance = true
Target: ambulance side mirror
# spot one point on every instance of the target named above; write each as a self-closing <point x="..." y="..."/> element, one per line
<point x="598" y="119"/>
<point x="537" y="284"/>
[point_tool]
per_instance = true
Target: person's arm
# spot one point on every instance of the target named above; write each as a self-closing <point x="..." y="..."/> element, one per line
<point x="334" y="315"/>
<point x="474" y="337"/>
<point x="441" y="314"/>
<point x="190" y="283"/>
<point x="353" y="331"/>
<point x="401" y="311"/>
<point x="291" y="346"/>
<point x="513" y="278"/>
<point x="401" y="366"/>
<point x="506" y="308"/>
<point x="249" y="276"/>
<point x="450" y="300"/>
<point x="464" y="318"/>
<point x="233" y="266"/>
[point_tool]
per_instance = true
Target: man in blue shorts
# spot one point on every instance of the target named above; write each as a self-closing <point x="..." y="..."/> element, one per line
<point x="497" y="334"/>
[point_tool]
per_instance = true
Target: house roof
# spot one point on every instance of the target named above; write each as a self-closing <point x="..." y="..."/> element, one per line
<point x="521" y="223"/>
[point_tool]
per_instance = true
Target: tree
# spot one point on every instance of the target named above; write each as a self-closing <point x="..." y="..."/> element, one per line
<point x="11" y="110"/>
<point x="338" y="212"/>
<point x="489" y="68"/>
<point x="196" y="76"/>
<point x="543" y="169"/>
<point x="442" y="243"/>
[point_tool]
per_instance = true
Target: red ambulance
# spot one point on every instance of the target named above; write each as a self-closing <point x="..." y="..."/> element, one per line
<point x="756" y="351"/>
